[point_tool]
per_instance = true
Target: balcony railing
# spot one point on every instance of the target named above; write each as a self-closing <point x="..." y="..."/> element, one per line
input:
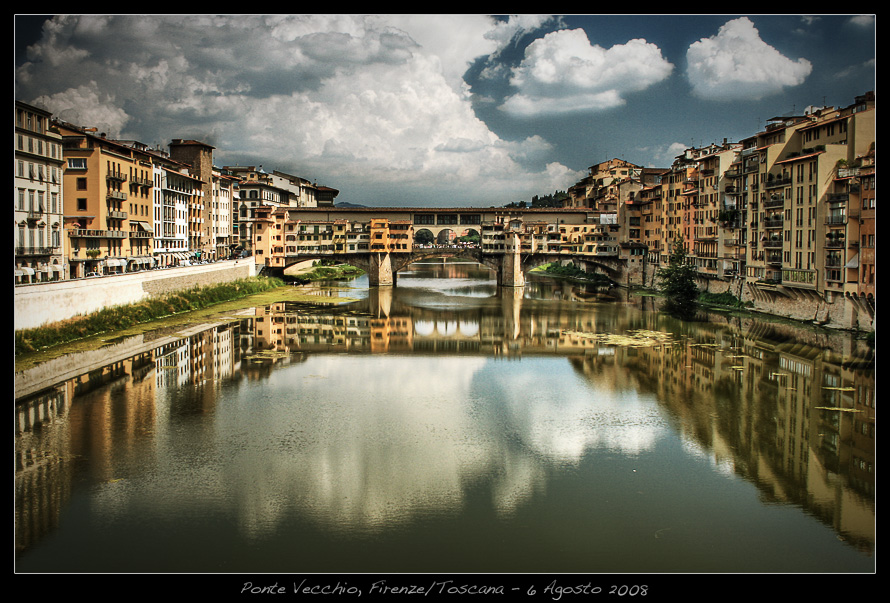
<point x="776" y="182"/>
<point x="97" y="234"/>
<point x="36" y="250"/>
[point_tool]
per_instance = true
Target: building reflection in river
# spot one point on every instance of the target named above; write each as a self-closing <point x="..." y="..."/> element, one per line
<point x="796" y="419"/>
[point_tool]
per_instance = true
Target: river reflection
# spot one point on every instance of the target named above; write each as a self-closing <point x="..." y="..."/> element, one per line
<point x="448" y="425"/>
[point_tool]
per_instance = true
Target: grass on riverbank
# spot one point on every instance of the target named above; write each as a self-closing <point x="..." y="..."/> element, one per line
<point x="723" y="300"/>
<point x="324" y="273"/>
<point x="118" y="318"/>
<point x="571" y="271"/>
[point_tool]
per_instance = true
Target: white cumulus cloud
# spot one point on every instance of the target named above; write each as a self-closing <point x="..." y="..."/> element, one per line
<point x="563" y="72"/>
<point x="737" y="64"/>
<point x="87" y="105"/>
<point x="363" y="101"/>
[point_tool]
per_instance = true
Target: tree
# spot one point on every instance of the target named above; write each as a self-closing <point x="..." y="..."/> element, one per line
<point x="678" y="283"/>
<point x="423" y="237"/>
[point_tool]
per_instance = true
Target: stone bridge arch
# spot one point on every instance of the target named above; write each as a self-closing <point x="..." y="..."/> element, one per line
<point x="510" y="268"/>
<point x="614" y="269"/>
<point x="473" y="254"/>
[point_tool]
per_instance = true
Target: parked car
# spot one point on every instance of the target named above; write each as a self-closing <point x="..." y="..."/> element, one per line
<point x="92" y="274"/>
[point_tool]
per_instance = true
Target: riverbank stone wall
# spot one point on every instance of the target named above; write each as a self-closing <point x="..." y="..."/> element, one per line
<point x="45" y="303"/>
<point x="830" y="310"/>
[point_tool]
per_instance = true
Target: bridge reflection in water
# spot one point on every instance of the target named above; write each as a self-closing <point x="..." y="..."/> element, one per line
<point x="744" y="396"/>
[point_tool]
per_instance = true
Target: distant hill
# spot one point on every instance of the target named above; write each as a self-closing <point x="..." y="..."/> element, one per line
<point x="348" y="205"/>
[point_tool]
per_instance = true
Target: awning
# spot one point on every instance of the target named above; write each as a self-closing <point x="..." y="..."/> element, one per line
<point x="853" y="263"/>
<point x="26" y="270"/>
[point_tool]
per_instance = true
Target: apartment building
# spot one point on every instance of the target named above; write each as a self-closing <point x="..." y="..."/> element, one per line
<point x="713" y="219"/>
<point x="259" y="193"/>
<point x="198" y="156"/>
<point x="226" y="193"/>
<point x="805" y="211"/>
<point x="676" y="206"/>
<point x="261" y="190"/>
<point x="652" y="218"/>
<point x="391" y="235"/>
<point x="865" y="174"/>
<point x="324" y="195"/>
<point x="108" y="203"/>
<point x="175" y="195"/>
<point x="38" y="184"/>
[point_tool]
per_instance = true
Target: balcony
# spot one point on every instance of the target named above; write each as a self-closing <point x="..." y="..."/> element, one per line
<point x="30" y="251"/>
<point x="116" y="195"/>
<point x="777" y="182"/>
<point x="806" y="279"/>
<point x="116" y="175"/>
<point x="97" y="234"/>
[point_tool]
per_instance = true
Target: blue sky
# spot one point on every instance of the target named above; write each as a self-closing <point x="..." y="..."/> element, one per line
<point x="440" y="110"/>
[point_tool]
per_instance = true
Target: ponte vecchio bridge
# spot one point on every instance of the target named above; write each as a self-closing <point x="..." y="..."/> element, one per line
<point x="382" y="241"/>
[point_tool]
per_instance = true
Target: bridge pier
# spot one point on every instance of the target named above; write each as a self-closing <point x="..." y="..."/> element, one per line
<point x="510" y="272"/>
<point x="380" y="273"/>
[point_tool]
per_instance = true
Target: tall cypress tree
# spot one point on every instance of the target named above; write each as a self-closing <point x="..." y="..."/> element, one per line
<point x="678" y="284"/>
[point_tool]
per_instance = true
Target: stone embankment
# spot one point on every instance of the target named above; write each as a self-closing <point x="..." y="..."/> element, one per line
<point x="44" y="303"/>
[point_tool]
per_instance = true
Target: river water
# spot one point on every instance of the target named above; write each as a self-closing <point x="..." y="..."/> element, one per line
<point x="445" y="425"/>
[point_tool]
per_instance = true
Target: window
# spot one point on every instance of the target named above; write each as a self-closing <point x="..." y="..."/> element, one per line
<point x="81" y="205"/>
<point x="77" y="163"/>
